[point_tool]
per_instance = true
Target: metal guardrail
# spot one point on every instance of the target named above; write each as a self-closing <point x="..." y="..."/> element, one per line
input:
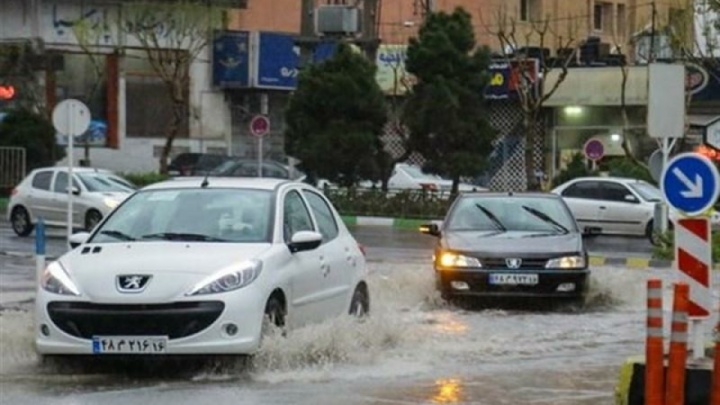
<point x="13" y="164"/>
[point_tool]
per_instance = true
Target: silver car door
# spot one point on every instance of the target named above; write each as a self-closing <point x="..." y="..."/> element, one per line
<point x="40" y="196"/>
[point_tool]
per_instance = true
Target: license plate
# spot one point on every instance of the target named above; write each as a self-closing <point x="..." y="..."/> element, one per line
<point x="129" y="344"/>
<point x="513" y="279"/>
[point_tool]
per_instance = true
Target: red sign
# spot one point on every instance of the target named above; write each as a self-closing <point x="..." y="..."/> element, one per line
<point x="594" y="149"/>
<point x="7" y="92"/>
<point x="694" y="260"/>
<point x="259" y="125"/>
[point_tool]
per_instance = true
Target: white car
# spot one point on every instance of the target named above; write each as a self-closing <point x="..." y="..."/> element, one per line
<point x="44" y="194"/>
<point x="616" y="205"/>
<point x="411" y="177"/>
<point x="201" y="266"/>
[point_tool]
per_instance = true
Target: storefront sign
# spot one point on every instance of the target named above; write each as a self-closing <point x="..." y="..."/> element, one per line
<point x="509" y="77"/>
<point x="703" y="80"/>
<point x="391" y="75"/>
<point x="96" y="135"/>
<point x="231" y="59"/>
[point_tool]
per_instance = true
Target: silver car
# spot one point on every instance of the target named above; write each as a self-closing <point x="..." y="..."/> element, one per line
<point x="44" y="194"/>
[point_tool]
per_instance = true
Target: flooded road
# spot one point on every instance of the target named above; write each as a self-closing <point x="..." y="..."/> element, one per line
<point x="413" y="349"/>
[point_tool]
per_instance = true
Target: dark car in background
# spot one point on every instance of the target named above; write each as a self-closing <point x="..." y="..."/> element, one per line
<point x="510" y="245"/>
<point x="243" y="167"/>
<point x="195" y="164"/>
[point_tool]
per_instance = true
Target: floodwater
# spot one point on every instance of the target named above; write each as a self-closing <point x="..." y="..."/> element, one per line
<point x="413" y="349"/>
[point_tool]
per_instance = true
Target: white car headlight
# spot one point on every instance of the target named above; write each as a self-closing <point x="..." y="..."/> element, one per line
<point x="56" y="280"/>
<point x="567" y="262"/>
<point x="229" y="279"/>
<point x="111" y="203"/>
<point x="450" y="259"/>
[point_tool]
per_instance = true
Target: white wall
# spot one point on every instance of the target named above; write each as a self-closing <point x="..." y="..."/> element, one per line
<point x="210" y="124"/>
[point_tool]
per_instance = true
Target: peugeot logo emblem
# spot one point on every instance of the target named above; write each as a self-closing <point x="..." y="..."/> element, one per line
<point x="132" y="283"/>
<point x="513" y="263"/>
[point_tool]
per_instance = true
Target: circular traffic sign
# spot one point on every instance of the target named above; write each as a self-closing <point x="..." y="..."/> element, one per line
<point x="594" y="149"/>
<point x="259" y="125"/>
<point x="690" y="183"/>
<point x="71" y="117"/>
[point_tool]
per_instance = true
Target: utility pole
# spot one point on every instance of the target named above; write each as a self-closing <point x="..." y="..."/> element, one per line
<point x="370" y="18"/>
<point x="307" y="38"/>
<point x="651" y="56"/>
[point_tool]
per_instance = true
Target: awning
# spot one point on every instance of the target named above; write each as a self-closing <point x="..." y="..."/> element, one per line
<point x="702" y="121"/>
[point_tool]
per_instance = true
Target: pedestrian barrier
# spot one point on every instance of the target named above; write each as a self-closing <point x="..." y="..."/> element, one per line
<point x="654" y="370"/>
<point x="715" y="390"/>
<point x="39" y="249"/>
<point x="675" y="379"/>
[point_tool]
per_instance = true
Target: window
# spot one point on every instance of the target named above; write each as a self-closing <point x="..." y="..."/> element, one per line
<point x="323" y="215"/>
<point x="647" y="191"/>
<point x="524" y="10"/>
<point x="598" y="17"/>
<point x="273" y="171"/>
<point x="530" y="10"/>
<point x="582" y="189"/>
<point x="61" y="183"/>
<point x="296" y="215"/>
<point x="41" y="181"/>
<point x="614" y="192"/>
<point x="523" y="214"/>
<point x="104" y="182"/>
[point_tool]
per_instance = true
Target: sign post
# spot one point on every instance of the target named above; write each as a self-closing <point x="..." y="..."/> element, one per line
<point x="690" y="183"/>
<point x="71" y="118"/>
<point x="259" y="127"/>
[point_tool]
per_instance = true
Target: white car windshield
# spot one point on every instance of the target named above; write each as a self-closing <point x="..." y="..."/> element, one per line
<point x="197" y="215"/>
<point x="524" y="214"/>
<point x="647" y="191"/>
<point x="104" y="182"/>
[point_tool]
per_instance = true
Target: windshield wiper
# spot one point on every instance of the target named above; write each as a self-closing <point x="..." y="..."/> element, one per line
<point x="117" y="234"/>
<point x="492" y="217"/>
<point x="545" y="217"/>
<point x="183" y="237"/>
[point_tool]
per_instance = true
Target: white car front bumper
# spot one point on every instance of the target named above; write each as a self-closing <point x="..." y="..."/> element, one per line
<point x="243" y="308"/>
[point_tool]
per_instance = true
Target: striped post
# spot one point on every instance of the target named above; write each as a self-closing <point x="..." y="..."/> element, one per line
<point x="715" y="390"/>
<point x="39" y="249"/>
<point x="675" y="379"/>
<point x="654" y="362"/>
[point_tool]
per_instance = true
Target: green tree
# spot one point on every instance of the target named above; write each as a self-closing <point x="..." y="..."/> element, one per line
<point x="26" y="129"/>
<point x="445" y="111"/>
<point x="335" y="119"/>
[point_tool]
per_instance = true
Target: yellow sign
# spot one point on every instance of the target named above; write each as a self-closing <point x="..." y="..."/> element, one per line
<point x="391" y="75"/>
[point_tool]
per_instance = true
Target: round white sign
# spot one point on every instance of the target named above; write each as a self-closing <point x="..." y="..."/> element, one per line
<point x="71" y="117"/>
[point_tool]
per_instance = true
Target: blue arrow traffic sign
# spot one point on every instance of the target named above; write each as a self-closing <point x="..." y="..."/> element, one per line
<point x="690" y="183"/>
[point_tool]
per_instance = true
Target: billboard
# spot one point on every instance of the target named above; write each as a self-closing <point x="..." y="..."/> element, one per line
<point x="506" y="76"/>
<point x="391" y="75"/>
<point x="231" y="59"/>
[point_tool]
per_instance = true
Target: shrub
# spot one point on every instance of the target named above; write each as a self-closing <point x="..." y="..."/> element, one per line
<point x="666" y="248"/>
<point x="574" y="169"/>
<point x="625" y="167"/>
<point x="144" y="179"/>
<point x="34" y="132"/>
<point x="398" y="204"/>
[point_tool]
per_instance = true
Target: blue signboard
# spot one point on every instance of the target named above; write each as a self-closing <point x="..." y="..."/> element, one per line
<point x="231" y="59"/>
<point x="703" y="80"/>
<point x="690" y="183"/>
<point x="278" y="57"/>
<point x="498" y="88"/>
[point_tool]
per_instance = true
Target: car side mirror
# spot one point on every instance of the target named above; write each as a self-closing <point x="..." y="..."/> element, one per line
<point x="75" y="190"/>
<point x="78" y="239"/>
<point x="631" y="198"/>
<point x="304" y="240"/>
<point x="430" y="229"/>
<point x="591" y="231"/>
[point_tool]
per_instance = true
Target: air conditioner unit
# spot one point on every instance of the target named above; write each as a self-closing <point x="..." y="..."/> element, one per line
<point x="335" y="20"/>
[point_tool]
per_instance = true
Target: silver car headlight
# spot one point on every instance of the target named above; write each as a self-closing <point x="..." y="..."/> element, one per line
<point x="110" y="202"/>
<point x="450" y="259"/>
<point x="567" y="262"/>
<point x="57" y="281"/>
<point x="229" y="279"/>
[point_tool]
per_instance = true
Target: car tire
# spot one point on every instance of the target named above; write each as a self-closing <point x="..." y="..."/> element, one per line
<point x="360" y="303"/>
<point x="20" y="222"/>
<point x="92" y="218"/>
<point x="274" y="317"/>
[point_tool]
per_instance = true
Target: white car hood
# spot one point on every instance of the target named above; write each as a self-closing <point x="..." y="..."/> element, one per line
<point x="175" y="267"/>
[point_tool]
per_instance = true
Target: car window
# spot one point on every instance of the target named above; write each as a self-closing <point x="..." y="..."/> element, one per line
<point x="273" y="171"/>
<point x="61" y="183"/>
<point x="323" y="215"/>
<point x="245" y="170"/>
<point x="614" y="192"/>
<point x="296" y="215"/>
<point x="647" y="191"/>
<point x="521" y="214"/>
<point x="104" y="182"/>
<point x="41" y="181"/>
<point x="222" y="215"/>
<point x="583" y="189"/>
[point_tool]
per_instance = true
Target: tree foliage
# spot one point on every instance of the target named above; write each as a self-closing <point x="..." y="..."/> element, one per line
<point x="335" y="119"/>
<point x="30" y="130"/>
<point x="445" y="112"/>
<point x="173" y="35"/>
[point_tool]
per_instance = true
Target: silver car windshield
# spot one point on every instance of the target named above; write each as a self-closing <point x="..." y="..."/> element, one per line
<point x="647" y="191"/>
<point x="196" y="215"/>
<point x="104" y="182"/>
<point x="512" y="214"/>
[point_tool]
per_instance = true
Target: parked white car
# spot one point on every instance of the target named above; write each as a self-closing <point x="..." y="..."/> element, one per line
<point x="617" y="205"/>
<point x="44" y="194"/>
<point x="411" y="177"/>
<point x="193" y="267"/>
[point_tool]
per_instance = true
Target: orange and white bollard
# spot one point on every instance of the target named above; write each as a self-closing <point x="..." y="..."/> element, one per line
<point x="654" y="352"/>
<point x="715" y="390"/>
<point x="675" y="382"/>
